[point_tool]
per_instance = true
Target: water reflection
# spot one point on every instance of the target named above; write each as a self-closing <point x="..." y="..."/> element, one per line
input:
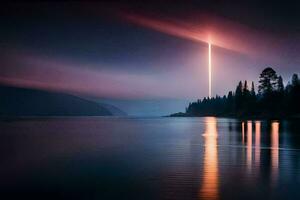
<point x="210" y="180"/>
<point x="243" y="133"/>
<point x="129" y="158"/>
<point x="257" y="143"/>
<point x="274" y="151"/>
<point x="274" y="155"/>
<point x="249" y="144"/>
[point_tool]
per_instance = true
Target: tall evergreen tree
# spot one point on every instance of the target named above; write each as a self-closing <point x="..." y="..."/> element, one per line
<point x="252" y="107"/>
<point x="252" y="92"/>
<point x="239" y="97"/>
<point x="274" y="100"/>
<point x="280" y="86"/>
<point x="239" y="89"/>
<point x="267" y="81"/>
<point x="295" y="80"/>
<point x="246" y="91"/>
<point x="294" y="95"/>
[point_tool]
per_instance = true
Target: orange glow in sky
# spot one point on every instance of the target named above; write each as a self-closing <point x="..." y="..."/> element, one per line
<point x="203" y="31"/>
<point x="209" y="70"/>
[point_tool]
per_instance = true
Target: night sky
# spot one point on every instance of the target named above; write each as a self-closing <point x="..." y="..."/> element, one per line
<point x="132" y="52"/>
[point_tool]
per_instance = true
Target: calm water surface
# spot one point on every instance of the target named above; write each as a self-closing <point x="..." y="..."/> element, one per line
<point x="149" y="158"/>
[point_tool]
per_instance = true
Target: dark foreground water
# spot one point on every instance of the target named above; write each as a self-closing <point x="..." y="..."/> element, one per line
<point x="149" y="158"/>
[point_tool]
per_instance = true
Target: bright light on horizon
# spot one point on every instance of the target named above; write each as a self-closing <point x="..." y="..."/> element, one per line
<point x="209" y="70"/>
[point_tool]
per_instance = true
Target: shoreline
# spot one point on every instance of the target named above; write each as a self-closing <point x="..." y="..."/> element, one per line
<point x="243" y="117"/>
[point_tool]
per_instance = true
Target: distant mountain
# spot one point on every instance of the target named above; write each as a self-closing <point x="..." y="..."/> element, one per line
<point x="31" y="102"/>
<point x="114" y="110"/>
<point x="150" y="107"/>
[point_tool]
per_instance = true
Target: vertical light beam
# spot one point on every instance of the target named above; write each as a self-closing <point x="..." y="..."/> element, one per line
<point x="209" y="70"/>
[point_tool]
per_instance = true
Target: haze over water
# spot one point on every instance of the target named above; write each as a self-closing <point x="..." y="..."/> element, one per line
<point x="149" y="158"/>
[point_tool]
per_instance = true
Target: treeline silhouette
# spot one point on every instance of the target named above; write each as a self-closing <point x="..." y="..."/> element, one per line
<point x="273" y="99"/>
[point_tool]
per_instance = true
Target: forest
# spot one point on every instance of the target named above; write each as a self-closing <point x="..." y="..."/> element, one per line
<point x="272" y="100"/>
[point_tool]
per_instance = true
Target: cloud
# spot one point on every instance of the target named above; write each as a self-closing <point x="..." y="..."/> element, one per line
<point x="219" y="32"/>
<point x="35" y="71"/>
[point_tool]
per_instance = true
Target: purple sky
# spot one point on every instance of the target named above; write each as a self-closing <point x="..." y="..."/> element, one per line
<point x="131" y="51"/>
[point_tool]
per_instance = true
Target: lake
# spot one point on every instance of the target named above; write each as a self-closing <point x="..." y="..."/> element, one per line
<point x="149" y="158"/>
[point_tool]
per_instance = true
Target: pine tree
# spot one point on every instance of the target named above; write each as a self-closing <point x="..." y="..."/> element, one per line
<point x="239" y="89"/>
<point x="280" y="86"/>
<point x="295" y="80"/>
<point x="246" y="91"/>
<point x="252" y="89"/>
<point x="294" y="95"/>
<point x="274" y="100"/>
<point x="230" y="103"/>
<point x="267" y="81"/>
<point x="239" y="96"/>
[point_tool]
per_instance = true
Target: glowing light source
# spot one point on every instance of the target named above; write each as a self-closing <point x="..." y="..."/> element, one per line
<point x="209" y="70"/>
